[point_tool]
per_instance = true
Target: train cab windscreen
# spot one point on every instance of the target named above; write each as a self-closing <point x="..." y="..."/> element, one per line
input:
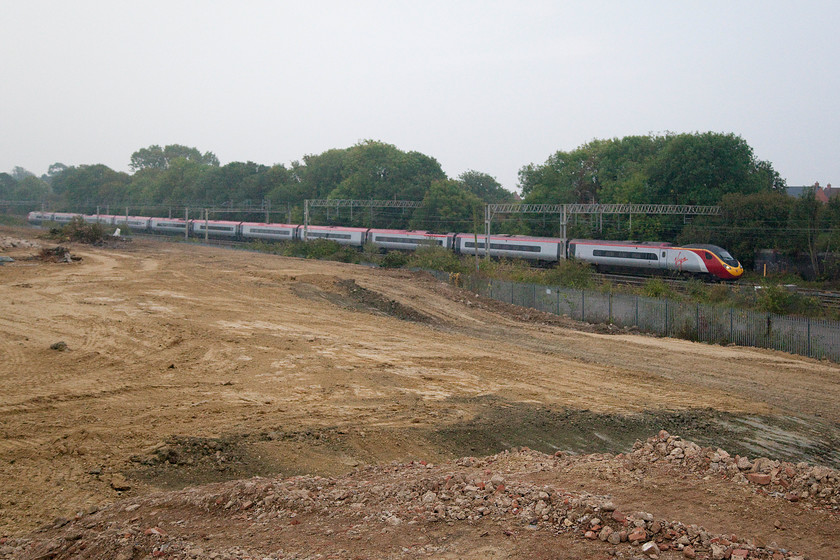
<point x="722" y="253"/>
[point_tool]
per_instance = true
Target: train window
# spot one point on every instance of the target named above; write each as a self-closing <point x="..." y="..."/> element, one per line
<point x="504" y="247"/>
<point x="624" y="255"/>
<point x="663" y="254"/>
<point x="708" y="256"/>
<point x="265" y="230"/>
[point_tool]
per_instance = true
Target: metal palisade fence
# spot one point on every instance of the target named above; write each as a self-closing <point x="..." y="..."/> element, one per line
<point x="817" y="338"/>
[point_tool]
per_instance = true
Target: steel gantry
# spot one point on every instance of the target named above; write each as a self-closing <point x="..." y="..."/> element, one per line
<point x="565" y="210"/>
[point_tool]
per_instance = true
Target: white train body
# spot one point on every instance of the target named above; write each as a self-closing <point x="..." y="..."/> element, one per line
<point x="352" y="236"/>
<point x="215" y="228"/>
<point x="408" y="240"/>
<point x="132" y="222"/>
<point x="168" y="225"/>
<point x="544" y="249"/>
<point x="39" y="217"/>
<point x="64" y="217"/>
<point x="269" y="232"/>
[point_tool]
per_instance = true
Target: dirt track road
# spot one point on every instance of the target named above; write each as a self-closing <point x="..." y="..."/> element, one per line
<point x="187" y="364"/>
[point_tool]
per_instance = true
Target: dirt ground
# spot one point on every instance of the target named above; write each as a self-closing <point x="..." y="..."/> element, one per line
<point x="184" y="365"/>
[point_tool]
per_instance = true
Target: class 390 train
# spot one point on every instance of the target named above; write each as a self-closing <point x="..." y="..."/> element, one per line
<point x="708" y="261"/>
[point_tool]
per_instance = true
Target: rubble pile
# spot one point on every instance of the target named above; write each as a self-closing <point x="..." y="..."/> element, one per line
<point x="395" y="497"/>
<point x="7" y="243"/>
<point x="818" y="485"/>
<point x="57" y="255"/>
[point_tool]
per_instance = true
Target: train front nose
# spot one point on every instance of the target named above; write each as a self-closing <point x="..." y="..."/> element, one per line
<point x="735" y="271"/>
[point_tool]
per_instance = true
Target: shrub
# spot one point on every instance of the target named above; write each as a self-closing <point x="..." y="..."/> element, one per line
<point x="437" y="258"/>
<point x="394" y="259"/>
<point x="656" y="287"/>
<point x="571" y="274"/>
<point x="781" y="301"/>
<point x="80" y="231"/>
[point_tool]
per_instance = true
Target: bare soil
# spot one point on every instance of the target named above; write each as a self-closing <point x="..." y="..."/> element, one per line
<point x="186" y="365"/>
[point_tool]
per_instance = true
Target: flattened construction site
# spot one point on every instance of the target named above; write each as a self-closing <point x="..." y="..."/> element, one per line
<point x="211" y="403"/>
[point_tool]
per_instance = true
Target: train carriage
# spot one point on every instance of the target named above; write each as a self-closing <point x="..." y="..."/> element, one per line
<point x="269" y="232"/>
<point x="137" y="223"/>
<point x="64" y="217"/>
<point x="215" y="228"/>
<point x="407" y="239"/>
<point x="39" y="217"/>
<point x="106" y="219"/>
<point x="353" y="236"/>
<point x="168" y="225"/>
<point x="543" y="249"/>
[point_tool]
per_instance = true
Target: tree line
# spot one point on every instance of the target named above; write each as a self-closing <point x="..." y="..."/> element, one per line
<point x="698" y="168"/>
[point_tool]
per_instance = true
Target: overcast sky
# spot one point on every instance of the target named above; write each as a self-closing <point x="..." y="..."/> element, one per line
<point x="490" y="86"/>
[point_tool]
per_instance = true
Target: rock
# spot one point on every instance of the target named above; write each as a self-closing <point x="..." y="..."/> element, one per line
<point x="743" y="463"/>
<point x="688" y="552"/>
<point x="820" y="473"/>
<point x="636" y="535"/>
<point x="739" y="554"/>
<point x="605" y="533"/>
<point x="59" y="346"/>
<point x="762" y="465"/>
<point x="759" y="478"/>
<point x="119" y="483"/>
<point x="650" y="549"/>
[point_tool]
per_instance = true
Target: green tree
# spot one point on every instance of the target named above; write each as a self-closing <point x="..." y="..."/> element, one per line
<point x="670" y="169"/>
<point x="236" y="182"/>
<point x="155" y="157"/>
<point x="19" y="173"/>
<point x="702" y="168"/>
<point x="53" y="170"/>
<point x="148" y="158"/>
<point x="7" y="186"/>
<point x="379" y="171"/>
<point x="176" y="184"/>
<point x="485" y="187"/>
<point x="447" y="206"/>
<point x="31" y="188"/>
<point x="86" y="186"/>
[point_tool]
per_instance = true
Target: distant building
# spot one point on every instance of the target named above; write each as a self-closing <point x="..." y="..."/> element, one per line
<point x="820" y="193"/>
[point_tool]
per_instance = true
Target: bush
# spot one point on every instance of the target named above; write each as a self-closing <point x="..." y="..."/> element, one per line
<point x="12" y="220"/>
<point x="394" y="259"/>
<point x="781" y="301"/>
<point x="571" y="273"/>
<point x="437" y="258"/>
<point x="81" y="232"/>
<point x="656" y="287"/>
